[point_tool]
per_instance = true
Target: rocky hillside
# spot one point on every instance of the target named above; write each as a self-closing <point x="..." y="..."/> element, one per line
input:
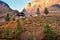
<point x="41" y="4"/>
<point x="35" y="25"/>
<point x="31" y="7"/>
<point x="4" y="10"/>
<point x="54" y="9"/>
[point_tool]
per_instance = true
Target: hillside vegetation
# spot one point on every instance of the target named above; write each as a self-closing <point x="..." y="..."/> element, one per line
<point x="33" y="26"/>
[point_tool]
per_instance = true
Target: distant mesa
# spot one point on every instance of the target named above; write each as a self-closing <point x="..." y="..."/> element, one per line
<point x="54" y="9"/>
<point x="4" y="4"/>
<point x="4" y="7"/>
<point x="56" y="5"/>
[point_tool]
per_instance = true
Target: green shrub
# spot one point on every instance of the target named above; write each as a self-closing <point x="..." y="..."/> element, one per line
<point x="6" y="33"/>
<point x="48" y="30"/>
<point x="18" y="29"/>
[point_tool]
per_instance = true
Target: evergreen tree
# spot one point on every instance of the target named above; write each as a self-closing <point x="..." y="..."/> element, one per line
<point x="18" y="29"/>
<point x="7" y="18"/>
<point x="38" y="12"/>
<point x="6" y="33"/>
<point x="29" y="4"/>
<point x="48" y="30"/>
<point x="46" y="11"/>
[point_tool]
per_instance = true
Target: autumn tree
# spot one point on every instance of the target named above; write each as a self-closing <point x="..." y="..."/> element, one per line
<point x="7" y="18"/>
<point x="46" y="11"/>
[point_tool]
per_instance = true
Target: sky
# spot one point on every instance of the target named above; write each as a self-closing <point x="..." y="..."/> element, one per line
<point x="17" y="4"/>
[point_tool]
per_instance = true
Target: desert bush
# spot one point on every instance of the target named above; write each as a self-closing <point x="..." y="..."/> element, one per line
<point x="48" y="31"/>
<point x="13" y="19"/>
<point x="6" y="33"/>
<point x="18" y="29"/>
<point x="1" y="30"/>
